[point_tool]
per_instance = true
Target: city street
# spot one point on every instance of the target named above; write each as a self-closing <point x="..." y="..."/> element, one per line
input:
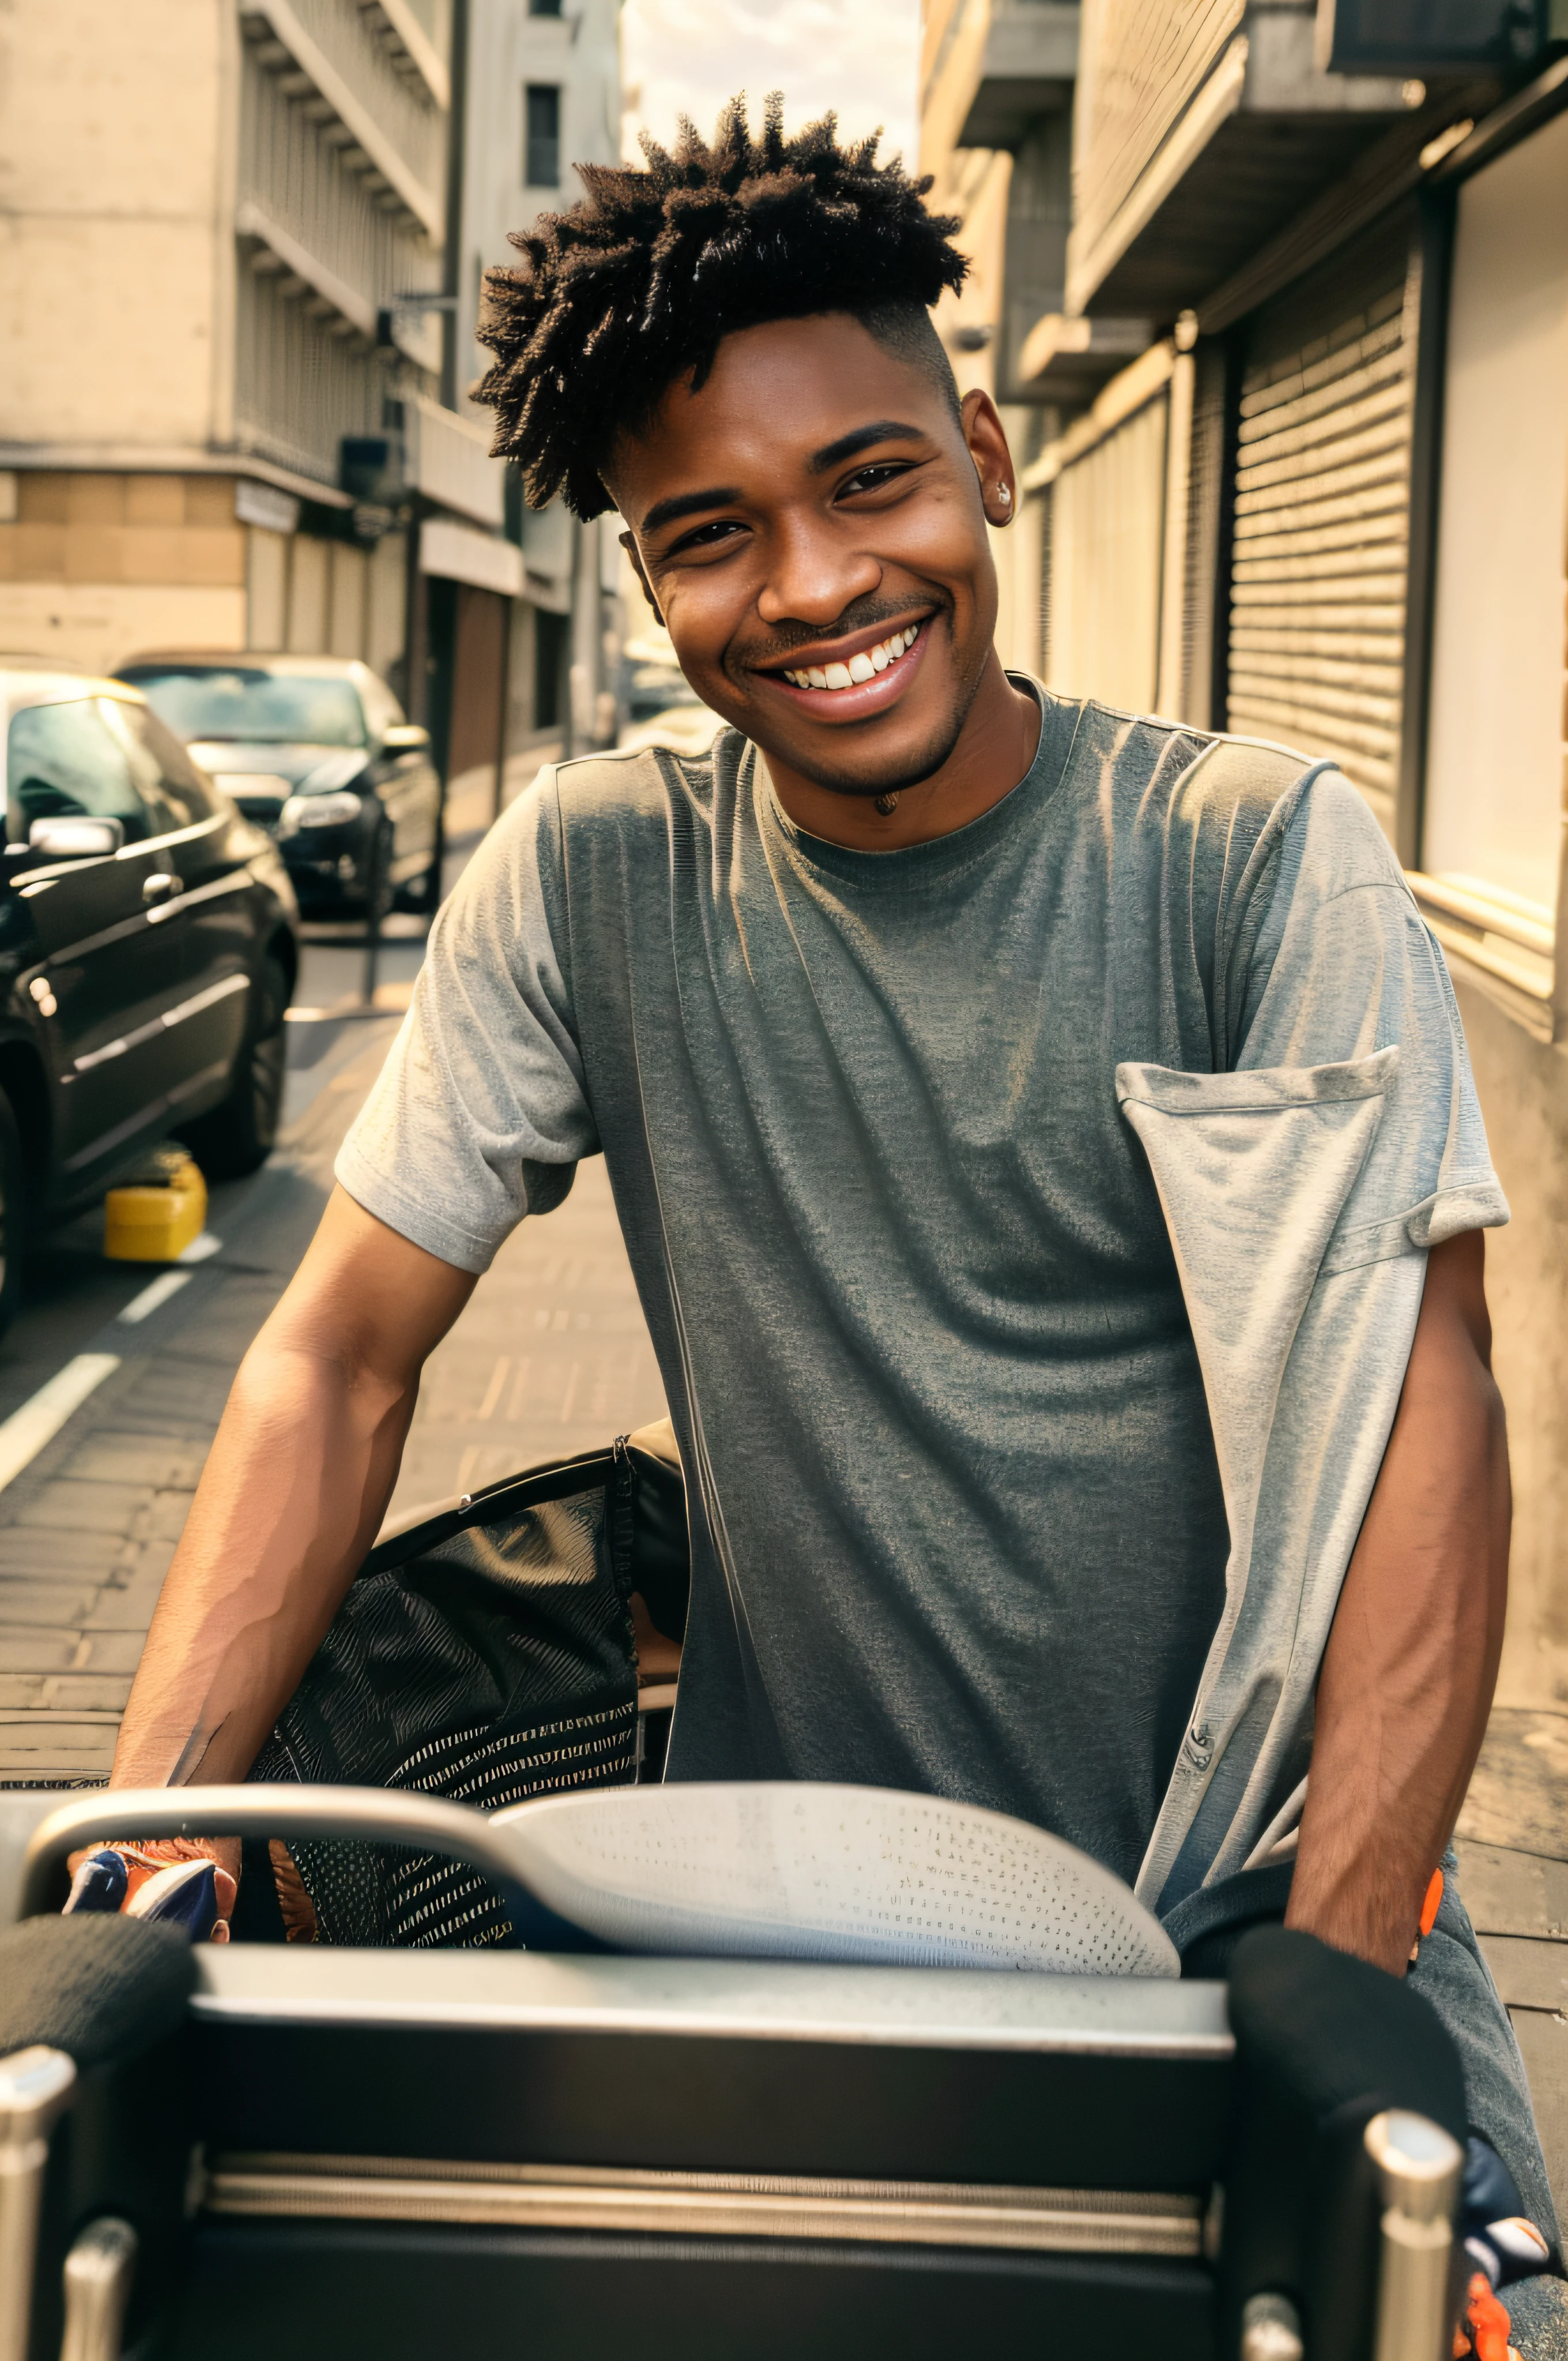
<point x="552" y="1356"/>
<point x="1024" y="544"/>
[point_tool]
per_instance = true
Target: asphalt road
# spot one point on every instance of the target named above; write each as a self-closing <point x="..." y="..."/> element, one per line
<point x="69" y="1291"/>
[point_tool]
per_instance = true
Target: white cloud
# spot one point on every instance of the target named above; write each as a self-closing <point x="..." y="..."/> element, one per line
<point x="856" y="57"/>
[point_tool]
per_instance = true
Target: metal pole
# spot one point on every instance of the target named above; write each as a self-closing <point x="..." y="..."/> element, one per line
<point x="373" y="911"/>
<point x="35" y="2085"/>
<point x="1419" y="2166"/>
<point x="98" y="2274"/>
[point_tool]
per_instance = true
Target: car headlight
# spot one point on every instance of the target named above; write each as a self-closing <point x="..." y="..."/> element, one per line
<point x="319" y="811"/>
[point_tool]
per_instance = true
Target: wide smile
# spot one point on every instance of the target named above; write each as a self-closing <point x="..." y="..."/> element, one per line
<point x="854" y="687"/>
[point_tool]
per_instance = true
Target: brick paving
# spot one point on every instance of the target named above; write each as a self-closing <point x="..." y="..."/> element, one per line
<point x="1513" y="1835"/>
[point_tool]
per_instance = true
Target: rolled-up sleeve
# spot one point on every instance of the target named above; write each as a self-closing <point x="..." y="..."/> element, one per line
<point x="480" y="1114"/>
<point x="1346" y="966"/>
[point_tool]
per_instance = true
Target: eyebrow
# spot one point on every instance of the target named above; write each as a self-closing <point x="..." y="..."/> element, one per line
<point x="685" y="504"/>
<point x="832" y="455"/>
<point x="881" y="429"/>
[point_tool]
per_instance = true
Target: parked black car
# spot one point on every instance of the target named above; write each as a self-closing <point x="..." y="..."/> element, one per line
<point x="148" y="953"/>
<point x="314" y="750"/>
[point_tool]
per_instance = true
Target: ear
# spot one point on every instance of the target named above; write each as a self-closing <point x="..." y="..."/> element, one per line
<point x="987" y="441"/>
<point x="628" y="543"/>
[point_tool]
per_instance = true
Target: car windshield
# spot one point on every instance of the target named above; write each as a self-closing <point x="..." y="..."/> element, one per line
<point x="244" y="704"/>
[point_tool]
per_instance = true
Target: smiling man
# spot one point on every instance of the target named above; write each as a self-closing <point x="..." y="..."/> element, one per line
<point x="1043" y="1137"/>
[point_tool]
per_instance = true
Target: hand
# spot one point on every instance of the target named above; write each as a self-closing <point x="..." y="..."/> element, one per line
<point x="145" y="1859"/>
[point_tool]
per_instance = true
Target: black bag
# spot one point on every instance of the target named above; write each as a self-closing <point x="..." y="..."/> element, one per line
<point x="485" y="1654"/>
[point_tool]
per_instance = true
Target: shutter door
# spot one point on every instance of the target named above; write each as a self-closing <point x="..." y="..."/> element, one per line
<point x="1107" y="526"/>
<point x="1318" y="586"/>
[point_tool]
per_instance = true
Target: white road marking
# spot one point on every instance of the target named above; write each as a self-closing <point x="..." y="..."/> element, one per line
<point x="151" y="1297"/>
<point x="200" y="1249"/>
<point x="24" y="1433"/>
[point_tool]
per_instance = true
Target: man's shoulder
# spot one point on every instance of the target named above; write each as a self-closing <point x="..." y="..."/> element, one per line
<point x="1166" y="764"/>
<point x="641" y="781"/>
<point x="1222" y="795"/>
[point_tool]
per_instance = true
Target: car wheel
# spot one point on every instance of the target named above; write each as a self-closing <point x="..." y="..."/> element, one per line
<point x="238" y="1136"/>
<point x="12" y="1214"/>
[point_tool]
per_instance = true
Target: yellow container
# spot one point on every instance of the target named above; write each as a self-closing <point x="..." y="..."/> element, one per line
<point x="154" y="1220"/>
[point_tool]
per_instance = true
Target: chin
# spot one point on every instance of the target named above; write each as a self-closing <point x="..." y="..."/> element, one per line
<point x="877" y="769"/>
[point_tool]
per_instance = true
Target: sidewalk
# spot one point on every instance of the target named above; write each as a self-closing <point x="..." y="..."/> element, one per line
<point x="1513" y="1874"/>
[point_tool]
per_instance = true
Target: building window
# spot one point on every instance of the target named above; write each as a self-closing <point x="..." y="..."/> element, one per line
<point x="542" y="135"/>
<point x="544" y="7"/>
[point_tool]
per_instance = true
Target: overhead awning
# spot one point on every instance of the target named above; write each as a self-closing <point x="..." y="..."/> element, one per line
<point x="458" y="553"/>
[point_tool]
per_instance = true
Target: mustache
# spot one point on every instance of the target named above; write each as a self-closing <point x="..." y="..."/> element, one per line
<point x="860" y="615"/>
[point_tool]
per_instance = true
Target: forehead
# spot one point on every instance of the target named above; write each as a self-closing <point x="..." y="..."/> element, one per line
<point x="775" y="396"/>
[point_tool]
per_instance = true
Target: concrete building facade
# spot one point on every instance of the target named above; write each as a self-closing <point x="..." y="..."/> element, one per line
<point x="209" y="211"/>
<point x="542" y="95"/>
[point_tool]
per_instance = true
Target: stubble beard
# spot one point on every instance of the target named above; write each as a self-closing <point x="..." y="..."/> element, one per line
<point x="915" y="769"/>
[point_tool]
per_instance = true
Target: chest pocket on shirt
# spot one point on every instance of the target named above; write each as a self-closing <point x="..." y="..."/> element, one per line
<point x="1253" y="1171"/>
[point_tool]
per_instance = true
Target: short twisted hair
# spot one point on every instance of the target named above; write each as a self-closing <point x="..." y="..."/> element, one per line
<point x="634" y="286"/>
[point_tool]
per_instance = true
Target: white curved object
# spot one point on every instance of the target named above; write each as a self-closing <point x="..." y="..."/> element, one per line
<point x="793" y="1870"/>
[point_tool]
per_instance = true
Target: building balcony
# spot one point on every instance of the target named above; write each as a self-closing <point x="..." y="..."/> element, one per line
<point x="1201" y="130"/>
<point x="379" y="93"/>
<point x="1025" y="69"/>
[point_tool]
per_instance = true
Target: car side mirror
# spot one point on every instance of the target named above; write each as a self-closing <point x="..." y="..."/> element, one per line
<point x="406" y="737"/>
<point x="75" y="836"/>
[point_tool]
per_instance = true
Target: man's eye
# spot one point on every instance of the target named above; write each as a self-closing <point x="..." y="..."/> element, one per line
<point x="872" y="478"/>
<point x="705" y="536"/>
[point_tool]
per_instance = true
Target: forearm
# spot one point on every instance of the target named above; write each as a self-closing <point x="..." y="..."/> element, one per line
<point x="1406" y="1680"/>
<point x="294" y="1491"/>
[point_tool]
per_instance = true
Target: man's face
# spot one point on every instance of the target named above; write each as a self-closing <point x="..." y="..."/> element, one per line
<point x="812" y="528"/>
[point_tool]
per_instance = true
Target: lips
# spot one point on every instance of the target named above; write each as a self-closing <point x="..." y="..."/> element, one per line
<point x="856" y="688"/>
<point x="859" y="668"/>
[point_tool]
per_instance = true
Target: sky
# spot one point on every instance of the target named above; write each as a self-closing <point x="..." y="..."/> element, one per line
<point x="686" y="57"/>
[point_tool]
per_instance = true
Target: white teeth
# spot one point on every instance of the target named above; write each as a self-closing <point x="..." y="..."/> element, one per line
<point x="859" y="668"/>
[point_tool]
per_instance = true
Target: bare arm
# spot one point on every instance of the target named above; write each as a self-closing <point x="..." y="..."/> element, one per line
<point x="1411" y="1662"/>
<point x="294" y="1490"/>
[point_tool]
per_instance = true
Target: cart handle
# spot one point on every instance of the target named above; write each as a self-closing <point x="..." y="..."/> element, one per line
<point x="374" y="1815"/>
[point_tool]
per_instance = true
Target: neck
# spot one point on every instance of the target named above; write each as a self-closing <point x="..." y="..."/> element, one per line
<point x="995" y="747"/>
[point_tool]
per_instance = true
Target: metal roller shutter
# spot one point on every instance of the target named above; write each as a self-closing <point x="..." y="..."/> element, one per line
<point x="1318" y="586"/>
<point x="1106" y="527"/>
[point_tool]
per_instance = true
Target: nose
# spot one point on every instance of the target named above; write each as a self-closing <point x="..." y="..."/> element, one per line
<point x="812" y="574"/>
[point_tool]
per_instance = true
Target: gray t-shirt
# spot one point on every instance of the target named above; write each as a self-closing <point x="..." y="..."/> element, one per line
<point x="957" y="1519"/>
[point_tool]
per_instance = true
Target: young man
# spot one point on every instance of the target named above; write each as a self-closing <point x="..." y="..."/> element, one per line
<point x="1043" y="1139"/>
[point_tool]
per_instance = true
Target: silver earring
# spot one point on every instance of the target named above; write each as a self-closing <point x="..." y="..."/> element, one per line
<point x="1005" y="496"/>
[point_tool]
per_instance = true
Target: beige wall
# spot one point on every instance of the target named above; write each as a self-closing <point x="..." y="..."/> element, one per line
<point x="1494" y="788"/>
<point x="109" y="128"/>
<point x="319" y="598"/>
<point x="386" y="602"/>
<point x="95" y="567"/>
<point x="1523" y="1087"/>
<point x="266" y="589"/>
